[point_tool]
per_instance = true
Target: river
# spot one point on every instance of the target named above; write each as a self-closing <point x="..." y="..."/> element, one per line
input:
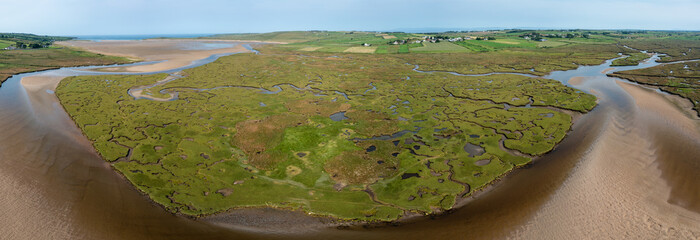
<point x="629" y="168"/>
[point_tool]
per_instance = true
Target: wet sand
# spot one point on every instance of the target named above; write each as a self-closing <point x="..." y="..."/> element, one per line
<point x="576" y="80"/>
<point x="174" y="53"/>
<point x="606" y="70"/>
<point x="619" y="187"/>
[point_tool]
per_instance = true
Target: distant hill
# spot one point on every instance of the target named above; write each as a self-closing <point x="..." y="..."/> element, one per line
<point x="26" y="40"/>
<point x="287" y="36"/>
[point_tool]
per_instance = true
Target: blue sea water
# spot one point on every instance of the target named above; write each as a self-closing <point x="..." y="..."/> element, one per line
<point x="138" y="37"/>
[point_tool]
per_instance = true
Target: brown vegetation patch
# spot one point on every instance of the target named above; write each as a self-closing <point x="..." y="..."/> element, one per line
<point x="224" y="192"/>
<point x="256" y="136"/>
<point x="371" y="123"/>
<point x="360" y="50"/>
<point x="362" y="166"/>
<point x="310" y="107"/>
<point x="355" y="168"/>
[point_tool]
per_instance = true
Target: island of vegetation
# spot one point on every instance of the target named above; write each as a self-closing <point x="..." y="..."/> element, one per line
<point x="21" y="52"/>
<point x="323" y="125"/>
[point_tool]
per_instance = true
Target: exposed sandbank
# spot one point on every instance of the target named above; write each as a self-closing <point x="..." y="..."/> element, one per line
<point x="576" y="80"/>
<point x="606" y="70"/>
<point x="614" y="192"/>
<point x="171" y="52"/>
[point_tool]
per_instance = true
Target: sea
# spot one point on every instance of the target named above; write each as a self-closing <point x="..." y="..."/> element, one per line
<point x="138" y="36"/>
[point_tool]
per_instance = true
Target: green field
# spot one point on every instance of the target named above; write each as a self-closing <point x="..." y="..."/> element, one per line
<point x="439" y="47"/>
<point x="4" y="44"/>
<point x="551" y="44"/>
<point x="326" y="41"/>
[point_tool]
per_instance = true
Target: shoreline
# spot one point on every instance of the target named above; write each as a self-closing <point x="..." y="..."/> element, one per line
<point x="695" y="113"/>
<point x="168" y="54"/>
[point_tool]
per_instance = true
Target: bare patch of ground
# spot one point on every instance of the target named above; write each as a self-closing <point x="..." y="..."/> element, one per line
<point x="361" y="50"/>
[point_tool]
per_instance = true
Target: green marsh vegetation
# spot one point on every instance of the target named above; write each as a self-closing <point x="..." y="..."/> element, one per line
<point x="354" y="136"/>
<point x="633" y="59"/>
<point x="676" y="49"/>
<point x="412" y="142"/>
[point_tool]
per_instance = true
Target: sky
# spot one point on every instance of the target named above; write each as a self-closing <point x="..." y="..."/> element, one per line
<point x="115" y="17"/>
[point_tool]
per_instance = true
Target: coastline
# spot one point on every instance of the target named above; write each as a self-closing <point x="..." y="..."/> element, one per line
<point x="170" y="54"/>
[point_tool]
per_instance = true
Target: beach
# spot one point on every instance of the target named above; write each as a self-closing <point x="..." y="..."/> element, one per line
<point x="172" y="53"/>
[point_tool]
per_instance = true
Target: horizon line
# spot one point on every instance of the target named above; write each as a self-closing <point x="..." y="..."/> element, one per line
<point x="405" y="30"/>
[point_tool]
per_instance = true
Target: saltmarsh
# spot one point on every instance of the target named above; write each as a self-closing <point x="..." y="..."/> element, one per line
<point x="256" y="131"/>
<point x="681" y="79"/>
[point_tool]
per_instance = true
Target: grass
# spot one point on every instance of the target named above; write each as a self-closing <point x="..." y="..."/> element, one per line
<point x="632" y="60"/>
<point x="4" y="44"/>
<point x="439" y="47"/>
<point x="676" y="48"/>
<point x="204" y="152"/>
<point x="530" y="61"/>
<point x="551" y="44"/>
<point x="473" y="46"/>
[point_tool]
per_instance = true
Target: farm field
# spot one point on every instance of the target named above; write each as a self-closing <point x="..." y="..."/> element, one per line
<point x="439" y="47"/>
<point x="4" y="44"/>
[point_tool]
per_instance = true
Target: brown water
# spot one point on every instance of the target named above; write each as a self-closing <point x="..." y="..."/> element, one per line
<point x="627" y="170"/>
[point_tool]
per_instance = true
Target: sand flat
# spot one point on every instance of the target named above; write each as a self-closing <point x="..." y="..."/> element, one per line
<point x="171" y="52"/>
<point x="576" y="80"/>
<point x="615" y="192"/>
<point x="606" y="70"/>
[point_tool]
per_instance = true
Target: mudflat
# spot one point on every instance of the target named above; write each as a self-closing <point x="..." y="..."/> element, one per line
<point x="172" y="53"/>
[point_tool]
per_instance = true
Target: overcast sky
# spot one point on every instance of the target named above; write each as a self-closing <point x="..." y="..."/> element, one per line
<point x="99" y="17"/>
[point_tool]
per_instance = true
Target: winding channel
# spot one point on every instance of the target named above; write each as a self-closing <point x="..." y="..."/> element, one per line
<point x="628" y="168"/>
